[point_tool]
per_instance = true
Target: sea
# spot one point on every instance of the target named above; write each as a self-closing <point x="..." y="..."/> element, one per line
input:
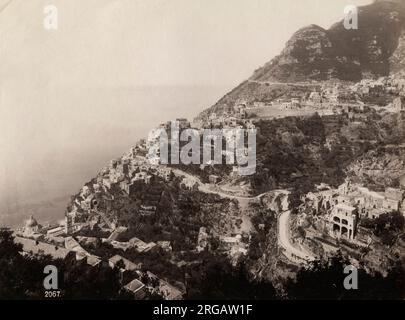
<point x="57" y="143"/>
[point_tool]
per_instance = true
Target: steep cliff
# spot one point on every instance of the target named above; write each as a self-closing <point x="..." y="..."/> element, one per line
<point x="314" y="53"/>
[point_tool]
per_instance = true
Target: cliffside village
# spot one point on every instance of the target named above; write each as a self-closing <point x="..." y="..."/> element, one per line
<point x="327" y="98"/>
<point x="53" y="240"/>
<point x="92" y="207"/>
<point x="336" y="211"/>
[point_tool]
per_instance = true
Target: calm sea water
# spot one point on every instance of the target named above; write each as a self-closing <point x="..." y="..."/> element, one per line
<point x="65" y="139"/>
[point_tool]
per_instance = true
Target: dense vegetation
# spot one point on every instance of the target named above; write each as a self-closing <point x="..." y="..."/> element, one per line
<point x="387" y="226"/>
<point x="324" y="281"/>
<point x="21" y="277"/>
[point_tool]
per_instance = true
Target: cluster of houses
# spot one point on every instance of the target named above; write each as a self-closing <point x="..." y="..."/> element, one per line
<point x="36" y="239"/>
<point x="236" y="117"/>
<point x="235" y="246"/>
<point x="382" y="85"/>
<point x="182" y="124"/>
<point x="138" y="245"/>
<point x="345" y="206"/>
<point x="328" y="98"/>
<point x="125" y="175"/>
<point x="338" y="96"/>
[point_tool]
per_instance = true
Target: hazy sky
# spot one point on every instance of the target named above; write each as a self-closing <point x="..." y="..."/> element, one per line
<point x="138" y="42"/>
<point x="61" y="92"/>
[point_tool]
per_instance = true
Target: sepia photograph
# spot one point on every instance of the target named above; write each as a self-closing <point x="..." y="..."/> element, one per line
<point x="201" y="150"/>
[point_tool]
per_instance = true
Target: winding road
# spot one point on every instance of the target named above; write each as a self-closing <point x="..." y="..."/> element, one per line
<point x="207" y="188"/>
<point x="284" y="238"/>
<point x="305" y="84"/>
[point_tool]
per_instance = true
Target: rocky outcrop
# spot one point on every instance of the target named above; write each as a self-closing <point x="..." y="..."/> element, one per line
<point x="375" y="49"/>
<point x="379" y="168"/>
<point x="314" y="53"/>
<point x="308" y="54"/>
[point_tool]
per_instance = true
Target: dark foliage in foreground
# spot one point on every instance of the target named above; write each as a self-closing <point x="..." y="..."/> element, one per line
<point x="21" y="277"/>
<point x="216" y="278"/>
<point x="324" y="281"/>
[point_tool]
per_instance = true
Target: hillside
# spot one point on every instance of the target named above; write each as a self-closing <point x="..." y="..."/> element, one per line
<point x="376" y="49"/>
<point x="328" y="109"/>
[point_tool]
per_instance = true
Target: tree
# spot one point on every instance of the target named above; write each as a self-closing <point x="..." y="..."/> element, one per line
<point x="216" y="278"/>
<point x="21" y="276"/>
<point x="323" y="280"/>
<point x="10" y="263"/>
<point x="386" y="226"/>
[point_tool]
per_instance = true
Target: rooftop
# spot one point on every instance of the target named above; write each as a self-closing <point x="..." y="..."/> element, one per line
<point x="36" y="247"/>
<point x="345" y="207"/>
<point x="134" y="286"/>
<point x="128" y="265"/>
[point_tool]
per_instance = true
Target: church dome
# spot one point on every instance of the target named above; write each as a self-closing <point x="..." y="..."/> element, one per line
<point x="31" y="222"/>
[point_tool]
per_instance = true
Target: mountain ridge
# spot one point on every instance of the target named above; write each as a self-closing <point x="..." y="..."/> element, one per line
<point x="315" y="54"/>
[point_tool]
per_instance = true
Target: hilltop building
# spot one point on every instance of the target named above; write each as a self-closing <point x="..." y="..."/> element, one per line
<point x="343" y="221"/>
